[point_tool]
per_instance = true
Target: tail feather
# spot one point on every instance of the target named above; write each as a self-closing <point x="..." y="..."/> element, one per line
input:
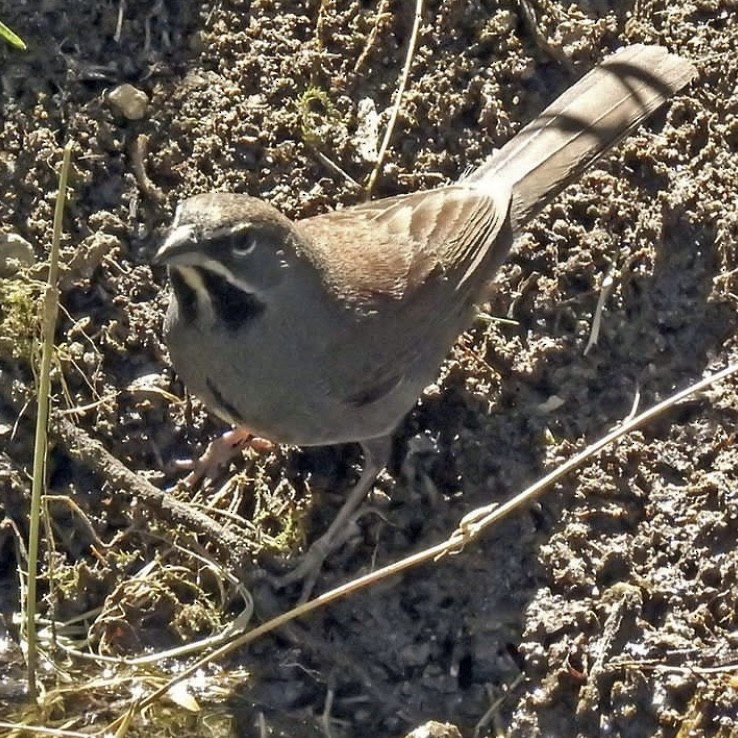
<point x="581" y="125"/>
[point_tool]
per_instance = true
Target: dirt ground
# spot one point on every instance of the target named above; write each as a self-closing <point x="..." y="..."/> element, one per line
<point x="608" y="607"/>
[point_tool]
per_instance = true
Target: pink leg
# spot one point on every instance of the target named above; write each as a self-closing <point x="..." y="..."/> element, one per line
<point x="376" y="456"/>
<point x="219" y="452"/>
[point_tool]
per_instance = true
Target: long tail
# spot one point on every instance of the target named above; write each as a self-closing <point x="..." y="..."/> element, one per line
<point x="591" y="117"/>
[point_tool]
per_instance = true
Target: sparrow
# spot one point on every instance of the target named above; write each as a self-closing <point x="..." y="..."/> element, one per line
<point x="326" y="330"/>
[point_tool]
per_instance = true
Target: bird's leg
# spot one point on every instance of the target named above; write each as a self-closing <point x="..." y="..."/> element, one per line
<point x="376" y="455"/>
<point x="219" y="452"/>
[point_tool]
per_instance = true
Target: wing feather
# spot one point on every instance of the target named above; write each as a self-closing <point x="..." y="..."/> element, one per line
<point x="408" y="270"/>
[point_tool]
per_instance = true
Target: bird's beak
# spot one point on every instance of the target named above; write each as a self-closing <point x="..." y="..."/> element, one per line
<point x="179" y="247"/>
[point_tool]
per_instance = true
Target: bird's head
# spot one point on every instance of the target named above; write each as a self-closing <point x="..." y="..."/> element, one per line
<point x="236" y="238"/>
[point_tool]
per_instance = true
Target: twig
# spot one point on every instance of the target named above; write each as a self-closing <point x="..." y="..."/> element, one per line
<point x="398" y="100"/>
<point x="530" y="20"/>
<point x="119" y="24"/>
<point x="381" y="15"/>
<point x="475" y="522"/>
<point x="95" y="457"/>
<point x="40" y="446"/>
<point x="330" y="164"/>
<point x="138" y="155"/>
<point x="605" y="290"/>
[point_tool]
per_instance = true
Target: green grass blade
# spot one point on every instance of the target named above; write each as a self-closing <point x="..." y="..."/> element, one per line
<point x="11" y="38"/>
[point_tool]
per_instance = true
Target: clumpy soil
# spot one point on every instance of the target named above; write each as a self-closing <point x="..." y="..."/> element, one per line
<point x="607" y="607"/>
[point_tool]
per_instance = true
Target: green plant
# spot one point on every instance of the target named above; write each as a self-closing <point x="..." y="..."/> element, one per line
<point x="317" y="114"/>
<point x="11" y="37"/>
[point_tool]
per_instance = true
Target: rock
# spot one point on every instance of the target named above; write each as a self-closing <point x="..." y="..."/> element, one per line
<point x="15" y="253"/>
<point x="129" y="101"/>
<point x="434" y="729"/>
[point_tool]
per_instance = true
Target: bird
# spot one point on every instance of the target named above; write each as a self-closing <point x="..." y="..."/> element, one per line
<point x="326" y="330"/>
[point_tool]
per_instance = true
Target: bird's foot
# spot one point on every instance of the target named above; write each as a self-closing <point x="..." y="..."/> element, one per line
<point x="219" y="452"/>
<point x="309" y="568"/>
<point x="311" y="562"/>
<point x="376" y="454"/>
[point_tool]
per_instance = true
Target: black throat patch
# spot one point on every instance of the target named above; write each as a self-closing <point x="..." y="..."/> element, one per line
<point x="234" y="309"/>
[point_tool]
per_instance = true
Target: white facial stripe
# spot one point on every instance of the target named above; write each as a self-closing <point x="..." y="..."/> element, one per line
<point x="195" y="283"/>
<point x="177" y="215"/>
<point x="221" y="270"/>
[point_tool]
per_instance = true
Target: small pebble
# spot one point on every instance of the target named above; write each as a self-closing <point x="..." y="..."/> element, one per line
<point x="15" y="253"/>
<point x="129" y="101"/>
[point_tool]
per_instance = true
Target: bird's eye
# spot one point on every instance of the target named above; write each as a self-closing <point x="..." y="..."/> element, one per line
<point x="243" y="243"/>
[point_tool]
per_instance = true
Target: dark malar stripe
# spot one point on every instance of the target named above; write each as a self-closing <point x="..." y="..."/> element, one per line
<point x="234" y="309"/>
<point x="227" y="409"/>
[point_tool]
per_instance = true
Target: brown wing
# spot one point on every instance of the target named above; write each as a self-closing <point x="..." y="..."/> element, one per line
<point x="393" y="248"/>
<point x="407" y="269"/>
